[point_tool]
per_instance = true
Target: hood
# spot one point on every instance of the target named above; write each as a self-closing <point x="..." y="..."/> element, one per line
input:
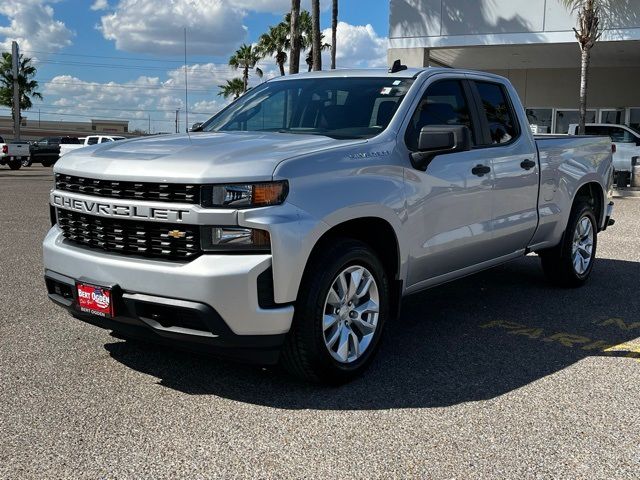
<point x="198" y="158"/>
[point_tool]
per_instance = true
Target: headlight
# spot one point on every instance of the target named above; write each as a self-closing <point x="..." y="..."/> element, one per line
<point x="245" y="195"/>
<point x="235" y="239"/>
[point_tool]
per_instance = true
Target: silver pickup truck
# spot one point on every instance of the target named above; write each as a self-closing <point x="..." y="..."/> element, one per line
<point x="289" y="227"/>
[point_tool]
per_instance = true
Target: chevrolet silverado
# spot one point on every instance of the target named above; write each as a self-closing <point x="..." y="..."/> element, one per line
<point x="289" y="226"/>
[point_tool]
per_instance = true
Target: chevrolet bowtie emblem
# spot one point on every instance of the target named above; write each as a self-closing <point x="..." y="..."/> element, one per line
<point x="177" y="234"/>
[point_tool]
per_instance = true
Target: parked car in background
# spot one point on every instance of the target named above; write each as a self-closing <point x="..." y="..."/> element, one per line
<point x="3" y="149"/>
<point x="47" y="150"/>
<point x="86" y="141"/>
<point x="627" y="142"/>
<point x="14" y="154"/>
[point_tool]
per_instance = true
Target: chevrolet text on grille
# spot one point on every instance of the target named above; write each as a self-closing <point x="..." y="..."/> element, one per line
<point x="111" y="210"/>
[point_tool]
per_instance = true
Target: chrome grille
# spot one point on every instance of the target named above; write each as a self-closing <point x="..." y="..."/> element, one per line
<point x="162" y="192"/>
<point x="148" y="239"/>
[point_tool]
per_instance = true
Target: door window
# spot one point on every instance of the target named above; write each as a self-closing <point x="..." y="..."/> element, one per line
<point x="617" y="134"/>
<point x="620" y="135"/>
<point x="92" y="140"/>
<point x="503" y="127"/>
<point x="634" y="118"/>
<point x="444" y="103"/>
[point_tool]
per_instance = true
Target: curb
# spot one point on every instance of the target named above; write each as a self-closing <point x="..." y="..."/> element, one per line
<point x="627" y="193"/>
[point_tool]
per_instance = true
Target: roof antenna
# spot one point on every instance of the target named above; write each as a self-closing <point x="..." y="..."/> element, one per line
<point x="397" y="67"/>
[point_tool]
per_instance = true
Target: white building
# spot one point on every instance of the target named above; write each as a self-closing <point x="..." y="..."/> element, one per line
<point x="532" y="43"/>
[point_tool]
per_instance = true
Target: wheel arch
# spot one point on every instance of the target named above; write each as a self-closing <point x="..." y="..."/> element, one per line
<point x="380" y="236"/>
<point x="593" y="193"/>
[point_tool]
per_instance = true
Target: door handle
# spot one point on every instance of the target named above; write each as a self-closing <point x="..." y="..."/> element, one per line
<point x="480" y="170"/>
<point x="528" y="164"/>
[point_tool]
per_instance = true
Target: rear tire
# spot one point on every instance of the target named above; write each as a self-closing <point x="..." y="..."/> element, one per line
<point x="15" y="164"/>
<point x="340" y="313"/>
<point x="570" y="264"/>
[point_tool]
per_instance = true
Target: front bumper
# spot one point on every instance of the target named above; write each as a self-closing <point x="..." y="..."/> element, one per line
<point x="220" y="291"/>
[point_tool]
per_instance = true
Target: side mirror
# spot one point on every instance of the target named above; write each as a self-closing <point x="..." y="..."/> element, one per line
<point x="195" y="127"/>
<point x="437" y="140"/>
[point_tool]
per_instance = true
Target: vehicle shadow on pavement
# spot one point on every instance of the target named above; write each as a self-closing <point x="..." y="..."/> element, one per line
<point x="470" y="340"/>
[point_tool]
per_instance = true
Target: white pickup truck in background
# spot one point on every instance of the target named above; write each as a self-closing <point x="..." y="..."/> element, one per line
<point x="627" y="142"/>
<point x="14" y="154"/>
<point x="90" y="140"/>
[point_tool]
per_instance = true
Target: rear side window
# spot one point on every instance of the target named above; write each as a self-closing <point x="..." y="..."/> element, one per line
<point x="444" y="103"/>
<point x="92" y="140"/>
<point x="500" y="118"/>
<point x="617" y="134"/>
<point x="620" y="135"/>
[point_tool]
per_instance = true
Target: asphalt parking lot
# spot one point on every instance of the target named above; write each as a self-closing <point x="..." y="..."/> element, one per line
<point x="495" y="376"/>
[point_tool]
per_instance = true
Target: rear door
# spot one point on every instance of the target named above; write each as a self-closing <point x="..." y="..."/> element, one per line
<point x="512" y="154"/>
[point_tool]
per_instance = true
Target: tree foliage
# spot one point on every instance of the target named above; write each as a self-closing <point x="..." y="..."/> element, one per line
<point x="246" y="58"/>
<point x="275" y="43"/>
<point x="233" y="88"/>
<point x="28" y="87"/>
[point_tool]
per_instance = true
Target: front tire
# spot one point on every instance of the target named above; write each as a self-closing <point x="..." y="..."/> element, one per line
<point x="340" y="314"/>
<point x="570" y="264"/>
<point x="26" y="163"/>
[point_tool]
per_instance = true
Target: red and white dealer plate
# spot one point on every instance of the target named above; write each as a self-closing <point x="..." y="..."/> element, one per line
<point x="95" y="300"/>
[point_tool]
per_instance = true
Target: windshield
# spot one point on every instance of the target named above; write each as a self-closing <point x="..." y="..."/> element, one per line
<point x="335" y="107"/>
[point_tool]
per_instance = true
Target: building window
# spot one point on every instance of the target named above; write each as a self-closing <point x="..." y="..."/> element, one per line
<point x="564" y="118"/>
<point x="634" y="118"/>
<point x="615" y="117"/>
<point x="540" y="119"/>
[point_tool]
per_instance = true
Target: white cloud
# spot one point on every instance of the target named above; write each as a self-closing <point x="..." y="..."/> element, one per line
<point x="100" y="5"/>
<point x="357" y="46"/>
<point x="144" y="97"/>
<point x="214" y="27"/>
<point x="150" y="26"/>
<point x="275" y="6"/>
<point x="33" y="26"/>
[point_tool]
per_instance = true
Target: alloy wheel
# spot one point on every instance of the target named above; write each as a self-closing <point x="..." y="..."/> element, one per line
<point x="351" y="313"/>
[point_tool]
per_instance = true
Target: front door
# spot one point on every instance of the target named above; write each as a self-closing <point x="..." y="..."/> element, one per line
<point x="449" y="204"/>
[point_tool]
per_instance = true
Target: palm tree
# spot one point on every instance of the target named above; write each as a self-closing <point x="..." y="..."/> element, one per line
<point x="27" y="86"/>
<point x="294" y="36"/>
<point x="246" y="58"/>
<point x="233" y="87"/>
<point x="275" y="43"/>
<point x="587" y="34"/>
<point x="324" y="46"/>
<point x="316" y="49"/>
<point x="334" y="33"/>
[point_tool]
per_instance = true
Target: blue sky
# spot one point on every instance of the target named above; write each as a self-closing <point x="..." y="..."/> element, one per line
<point x="70" y="40"/>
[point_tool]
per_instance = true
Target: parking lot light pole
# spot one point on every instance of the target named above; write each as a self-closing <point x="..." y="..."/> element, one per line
<point x="15" y="60"/>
